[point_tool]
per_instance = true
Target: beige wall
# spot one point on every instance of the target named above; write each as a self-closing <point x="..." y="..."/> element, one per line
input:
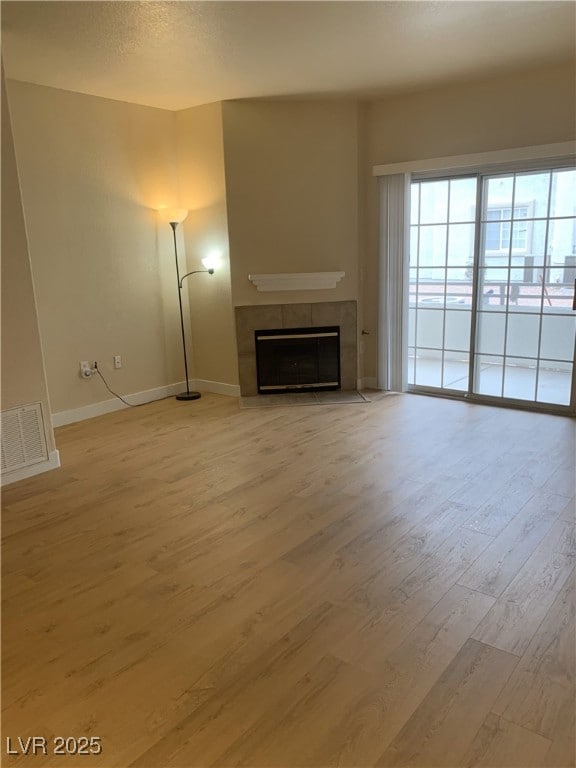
<point x="23" y="376"/>
<point x="292" y="192"/>
<point x="535" y="107"/>
<point x="92" y="172"/>
<point x="513" y="111"/>
<point x="200" y="154"/>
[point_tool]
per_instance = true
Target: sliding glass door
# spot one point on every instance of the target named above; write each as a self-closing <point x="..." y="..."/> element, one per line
<point x="442" y="238"/>
<point x="492" y="273"/>
<point x="525" y="322"/>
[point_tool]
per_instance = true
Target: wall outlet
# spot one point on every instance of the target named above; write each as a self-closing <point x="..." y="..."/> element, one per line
<point x="117" y="361"/>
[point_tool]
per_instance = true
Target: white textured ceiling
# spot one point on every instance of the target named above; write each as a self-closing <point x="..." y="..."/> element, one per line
<point x="180" y="54"/>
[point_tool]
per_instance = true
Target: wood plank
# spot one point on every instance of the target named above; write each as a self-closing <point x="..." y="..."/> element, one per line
<point x="543" y="682"/>
<point x="226" y="715"/>
<point x="441" y="731"/>
<point x="516" y="615"/>
<point x="504" y="557"/>
<point x="434" y="534"/>
<point x="281" y="736"/>
<point x="490" y="483"/>
<point x="401" y="681"/>
<point x="493" y="516"/>
<point x="562" y="481"/>
<point x="562" y="752"/>
<point x="501" y="743"/>
<point x="569" y="512"/>
<point x="402" y="606"/>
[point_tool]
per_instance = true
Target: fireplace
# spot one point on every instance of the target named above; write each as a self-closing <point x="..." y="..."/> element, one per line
<point x="273" y="319"/>
<point x="297" y="359"/>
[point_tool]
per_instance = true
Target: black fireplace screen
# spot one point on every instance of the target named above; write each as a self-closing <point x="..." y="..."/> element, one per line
<point x="298" y="359"/>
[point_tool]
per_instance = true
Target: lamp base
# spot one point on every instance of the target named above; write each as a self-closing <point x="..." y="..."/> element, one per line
<point x="189" y="396"/>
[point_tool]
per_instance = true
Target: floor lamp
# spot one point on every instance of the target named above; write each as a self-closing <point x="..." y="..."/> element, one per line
<point x="177" y="217"/>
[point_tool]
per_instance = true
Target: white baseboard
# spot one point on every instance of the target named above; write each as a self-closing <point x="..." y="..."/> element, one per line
<point x="62" y="418"/>
<point x="218" y="387"/>
<point x="368" y="382"/>
<point x="35" y="469"/>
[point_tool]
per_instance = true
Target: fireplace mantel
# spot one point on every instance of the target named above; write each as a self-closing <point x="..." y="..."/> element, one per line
<point x="296" y="281"/>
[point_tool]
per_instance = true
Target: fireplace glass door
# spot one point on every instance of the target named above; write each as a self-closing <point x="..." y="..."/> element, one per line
<point x="298" y="359"/>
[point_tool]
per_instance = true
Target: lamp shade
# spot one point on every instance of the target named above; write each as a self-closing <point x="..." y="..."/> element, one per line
<point x="173" y="215"/>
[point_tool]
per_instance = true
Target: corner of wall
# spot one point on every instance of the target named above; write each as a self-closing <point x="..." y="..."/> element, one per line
<point x="23" y="370"/>
<point x="201" y="163"/>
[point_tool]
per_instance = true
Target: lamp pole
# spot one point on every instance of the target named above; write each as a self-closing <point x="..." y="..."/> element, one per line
<point x="188" y="395"/>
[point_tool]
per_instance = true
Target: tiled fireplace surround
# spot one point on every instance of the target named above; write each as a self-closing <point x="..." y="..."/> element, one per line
<point x="313" y="315"/>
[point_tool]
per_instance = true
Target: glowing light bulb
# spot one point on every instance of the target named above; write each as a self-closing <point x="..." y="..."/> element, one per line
<point x="212" y="261"/>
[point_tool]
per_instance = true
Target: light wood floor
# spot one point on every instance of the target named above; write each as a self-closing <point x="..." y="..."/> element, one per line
<point x="389" y="584"/>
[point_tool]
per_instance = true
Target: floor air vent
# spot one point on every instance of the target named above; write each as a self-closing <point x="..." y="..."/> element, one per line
<point x="23" y="439"/>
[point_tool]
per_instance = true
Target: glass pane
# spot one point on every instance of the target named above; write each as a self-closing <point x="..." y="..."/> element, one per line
<point x="493" y="288"/>
<point x="561" y="243"/>
<point x="558" y="337"/>
<point x="414" y="245"/>
<point x="490" y="331"/>
<point x="412" y="286"/>
<point x="414" y="201"/>
<point x="461" y="245"/>
<point x="411" y="359"/>
<point x="432" y="251"/>
<point x="457" y="275"/>
<point x="431" y="287"/>
<point x="554" y="382"/>
<point x="433" y="202"/>
<point x="558" y="295"/>
<point x="497" y="193"/>
<point x="563" y="196"/>
<point x="428" y="368"/>
<point x="430" y="328"/>
<point x="456" y="371"/>
<point x="513" y="296"/>
<point x="522" y="335"/>
<point x="509" y="236"/>
<point x="458" y="289"/>
<point x="495" y="243"/>
<point x="519" y="241"/>
<point x="457" y="330"/>
<point x="463" y="199"/>
<point x="529" y="297"/>
<point x="535" y="248"/>
<point x="489" y="372"/>
<point x="411" y="326"/>
<point x="520" y="379"/>
<point x="532" y="193"/>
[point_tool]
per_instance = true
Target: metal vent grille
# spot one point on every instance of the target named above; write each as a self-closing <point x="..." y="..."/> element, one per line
<point x="22" y="437"/>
